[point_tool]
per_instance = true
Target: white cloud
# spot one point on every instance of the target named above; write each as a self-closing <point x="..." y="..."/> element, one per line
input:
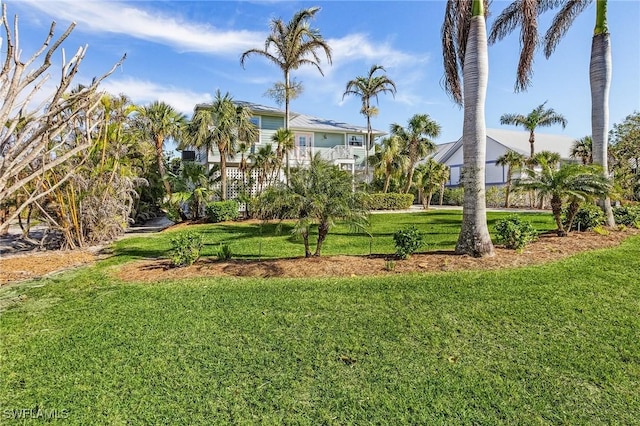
<point x="358" y="47"/>
<point x="144" y="92"/>
<point x="120" y="18"/>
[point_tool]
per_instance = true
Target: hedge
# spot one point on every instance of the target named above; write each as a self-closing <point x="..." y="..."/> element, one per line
<point x="221" y="211"/>
<point x="389" y="201"/>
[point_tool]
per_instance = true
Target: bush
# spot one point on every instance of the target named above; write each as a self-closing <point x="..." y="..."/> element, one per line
<point x="588" y="217"/>
<point x="221" y="211"/>
<point x="186" y="248"/>
<point x="224" y="252"/>
<point x="495" y="196"/>
<point x="451" y="196"/>
<point x="627" y="215"/>
<point x="514" y="232"/>
<point x="407" y="241"/>
<point x="389" y="201"/>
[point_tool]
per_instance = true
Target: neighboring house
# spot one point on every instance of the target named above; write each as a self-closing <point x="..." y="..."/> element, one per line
<point x="499" y="141"/>
<point x="340" y="143"/>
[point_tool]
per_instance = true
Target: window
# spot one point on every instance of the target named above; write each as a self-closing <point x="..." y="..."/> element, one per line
<point x="356" y="140"/>
<point x="256" y="122"/>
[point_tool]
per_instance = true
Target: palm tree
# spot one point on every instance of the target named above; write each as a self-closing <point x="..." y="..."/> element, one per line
<point x="290" y="46"/>
<point x="431" y="176"/>
<point x="513" y="161"/>
<point x="159" y="122"/>
<point x="265" y="161"/>
<point x="523" y="14"/>
<point x="569" y="181"/>
<point x="285" y="141"/>
<point x="583" y="149"/>
<point x="599" y="77"/>
<point x="366" y="88"/>
<point x="539" y="117"/>
<point x="223" y="125"/>
<point x="416" y="142"/>
<point x="464" y="45"/>
<point x="388" y="160"/>
<point x="549" y="158"/>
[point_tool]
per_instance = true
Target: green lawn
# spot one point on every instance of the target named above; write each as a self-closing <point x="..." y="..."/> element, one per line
<point x="557" y="344"/>
<point x="258" y="240"/>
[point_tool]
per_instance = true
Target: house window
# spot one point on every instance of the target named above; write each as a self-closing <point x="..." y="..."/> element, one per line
<point x="356" y="140"/>
<point x="256" y="122"/>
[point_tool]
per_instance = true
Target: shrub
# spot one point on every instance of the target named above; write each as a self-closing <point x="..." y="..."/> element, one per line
<point x="407" y="241"/>
<point x="495" y="196"/>
<point x="224" y="252"/>
<point x="221" y="211"/>
<point x="514" y="232"/>
<point x="452" y="196"/>
<point x="627" y="215"/>
<point x="389" y="201"/>
<point x="186" y="248"/>
<point x="588" y="217"/>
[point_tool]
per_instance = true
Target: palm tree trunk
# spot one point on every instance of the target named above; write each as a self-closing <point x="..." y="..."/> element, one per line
<point x="507" y="189"/>
<point x="366" y="152"/>
<point x="323" y="230"/>
<point x="474" y="236"/>
<point x="532" y="143"/>
<point x="305" y="240"/>
<point x="600" y="81"/>
<point x="409" y="178"/>
<point x="387" y="180"/>
<point x="556" y="209"/>
<point x="160" y="159"/>
<point x="286" y="100"/>
<point x="223" y="176"/>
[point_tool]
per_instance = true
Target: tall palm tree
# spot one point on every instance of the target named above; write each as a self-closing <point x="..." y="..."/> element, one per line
<point x="367" y="88"/>
<point x="539" y="117"/>
<point x="222" y="124"/>
<point x="583" y="149"/>
<point x="388" y="160"/>
<point x="569" y="181"/>
<point x="159" y="122"/>
<point x="513" y="161"/>
<point x="464" y="45"/>
<point x="599" y="76"/>
<point x="523" y="14"/>
<point x="291" y="45"/>
<point x="416" y="142"/>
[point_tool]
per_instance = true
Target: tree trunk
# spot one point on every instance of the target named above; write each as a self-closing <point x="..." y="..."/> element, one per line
<point x="428" y="203"/>
<point x="223" y="176"/>
<point x="474" y="236"/>
<point x="387" y="180"/>
<point x="323" y="230"/>
<point x="507" y="189"/>
<point x="409" y="177"/>
<point x="600" y="81"/>
<point x="532" y="143"/>
<point x="556" y="209"/>
<point x="305" y="240"/>
<point x="574" y="206"/>
<point x="160" y="159"/>
<point x="441" y="193"/>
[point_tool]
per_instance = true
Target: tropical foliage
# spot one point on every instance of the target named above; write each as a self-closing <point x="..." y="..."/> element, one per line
<point x="432" y="176"/>
<point x="625" y="154"/>
<point x="388" y="160"/>
<point x="513" y="161"/>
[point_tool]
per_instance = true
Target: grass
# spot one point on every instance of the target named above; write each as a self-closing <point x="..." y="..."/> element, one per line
<point x="549" y="344"/>
<point x="258" y="240"/>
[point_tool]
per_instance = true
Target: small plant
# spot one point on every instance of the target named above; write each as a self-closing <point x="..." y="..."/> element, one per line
<point x="224" y="252"/>
<point x="407" y="241"/>
<point x="514" y="232"/>
<point x="222" y="211"/>
<point x="186" y="248"/>
<point x="587" y="217"/>
<point x="627" y="215"/>
<point x="601" y="230"/>
<point x="390" y="265"/>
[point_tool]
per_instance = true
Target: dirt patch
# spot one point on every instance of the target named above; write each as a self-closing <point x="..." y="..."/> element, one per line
<point x="36" y="264"/>
<point x="548" y="248"/>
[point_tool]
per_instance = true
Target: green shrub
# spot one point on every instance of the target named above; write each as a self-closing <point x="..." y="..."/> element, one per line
<point x="627" y="215"/>
<point x="221" y="211"/>
<point x="224" y="252"/>
<point x="514" y="232"/>
<point x="407" y="241"/>
<point x="494" y="196"/>
<point x="452" y="196"/>
<point x="389" y="201"/>
<point x="588" y="217"/>
<point x="186" y="248"/>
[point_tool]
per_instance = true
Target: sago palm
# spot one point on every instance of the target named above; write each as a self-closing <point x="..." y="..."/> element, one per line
<point x="464" y="45"/>
<point x="290" y="46"/>
<point x="599" y="76"/>
<point x="539" y="117"/>
<point x="366" y="88"/>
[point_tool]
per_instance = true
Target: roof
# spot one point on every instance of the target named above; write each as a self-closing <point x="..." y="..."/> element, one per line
<point x="307" y="122"/>
<point x="441" y="150"/>
<point x="518" y="141"/>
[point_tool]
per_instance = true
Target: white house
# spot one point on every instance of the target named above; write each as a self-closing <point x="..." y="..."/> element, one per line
<point x="340" y="143"/>
<point x="499" y="141"/>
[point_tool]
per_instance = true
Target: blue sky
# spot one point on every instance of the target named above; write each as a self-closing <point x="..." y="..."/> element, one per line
<point x="180" y="52"/>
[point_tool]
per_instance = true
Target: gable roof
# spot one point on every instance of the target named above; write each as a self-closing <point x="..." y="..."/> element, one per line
<point x="518" y="141"/>
<point x="441" y="150"/>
